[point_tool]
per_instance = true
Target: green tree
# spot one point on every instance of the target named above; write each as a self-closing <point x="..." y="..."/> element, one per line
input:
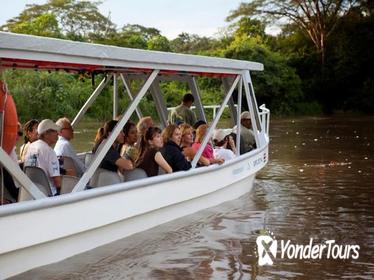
<point x="43" y="25"/>
<point x="40" y="94"/>
<point x="279" y="87"/>
<point x="192" y="43"/>
<point x="317" y="19"/>
<point x="146" y="32"/>
<point x="159" y="43"/>
<point x="350" y="75"/>
<point x="250" y="27"/>
<point x="133" y="36"/>
<point x="77" y="20"/>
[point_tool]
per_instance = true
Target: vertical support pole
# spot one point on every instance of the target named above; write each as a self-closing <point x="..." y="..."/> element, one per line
<point x="198" y="104"/>
<point x="115" y="96"/>
<point x="239" y="108"/>
<point x="160" y="103"/>
<point x="126" y="116"/>
<point x="250" y="106"/>
<point x="214" y="124"/>
<point x="252" y="94"/>
<point x="129" y="93"/>
<point x="91" y="100"/>
<point x="226" y="85"/>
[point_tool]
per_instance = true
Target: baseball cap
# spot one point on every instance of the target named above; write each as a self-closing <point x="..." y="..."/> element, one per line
<point x="220" y="134"/>
<point x="47" y="124"/>
<point x="245" y="115"/>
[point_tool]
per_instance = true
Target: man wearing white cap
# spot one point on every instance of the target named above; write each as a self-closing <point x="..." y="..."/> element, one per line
<point x="247" y="138"/>
<point x="41" y="153"/>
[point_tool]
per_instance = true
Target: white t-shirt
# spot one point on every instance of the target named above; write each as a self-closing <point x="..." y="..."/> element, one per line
<point x="64" y="148"/>
<point x="226" y="154"/>
<point x="46" y="159"/>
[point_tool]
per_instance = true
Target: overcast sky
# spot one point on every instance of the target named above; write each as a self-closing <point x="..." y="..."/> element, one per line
<point x="171" y="17"/>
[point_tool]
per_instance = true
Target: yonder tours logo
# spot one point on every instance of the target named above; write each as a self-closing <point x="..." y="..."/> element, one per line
<point x="267" y="248"/>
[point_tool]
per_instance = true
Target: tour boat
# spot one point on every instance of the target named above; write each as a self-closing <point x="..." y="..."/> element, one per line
<point x="45" y="229"/>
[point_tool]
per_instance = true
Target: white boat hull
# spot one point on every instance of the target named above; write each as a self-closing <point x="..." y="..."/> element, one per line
<point x="45" y="231"/>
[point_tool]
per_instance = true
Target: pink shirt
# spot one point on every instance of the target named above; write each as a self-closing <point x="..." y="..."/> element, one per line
<point x="208" y="151"/>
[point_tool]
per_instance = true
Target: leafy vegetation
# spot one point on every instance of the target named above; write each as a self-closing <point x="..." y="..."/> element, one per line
<point x="321" y="60"/>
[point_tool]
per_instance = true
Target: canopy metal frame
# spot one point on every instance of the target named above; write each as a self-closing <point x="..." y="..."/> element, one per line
<point x="160" y="103"/>
<point x="91" y="100"/>
<point x="118" y="128"/>
<point x="115" y="95"/>
<point x="239" y="111"/>
<point x="159" y="100"/>
<point x="252" y="112"/>
<point x="151" y="83"/>
<point x="126" y="84"/>
<point x="214" y="123"/>
<point x="226" y="84"/>
<point x="196" y="94"/>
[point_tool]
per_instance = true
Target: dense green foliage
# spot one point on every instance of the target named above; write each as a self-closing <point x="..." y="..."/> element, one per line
<point x="295" y="80"/>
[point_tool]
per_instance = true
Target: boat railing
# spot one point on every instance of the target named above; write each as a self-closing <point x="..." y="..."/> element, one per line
<point x="213" y="107"/>
<point x="265" y="119"/>
<point x="264" y="114"/>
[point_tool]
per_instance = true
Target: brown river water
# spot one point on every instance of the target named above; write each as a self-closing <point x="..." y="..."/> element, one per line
<point x="318" y="184"/>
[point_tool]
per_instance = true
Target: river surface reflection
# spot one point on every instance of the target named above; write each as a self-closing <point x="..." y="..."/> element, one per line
<point x="318" y="184"/>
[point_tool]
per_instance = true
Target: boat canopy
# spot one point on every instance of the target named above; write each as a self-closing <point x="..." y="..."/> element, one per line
<point x="27" y="51"/>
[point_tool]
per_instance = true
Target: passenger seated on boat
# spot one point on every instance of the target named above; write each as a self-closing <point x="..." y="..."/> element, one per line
<point x="142" y="126"/>
<point x="41" y="154"/>
<point x="224" y="145"/>
<point x="19" y="134"/>
<point x="247" y="137"/>
<point x="99" y="134"/>
<point x="128" y="150"/>
<point x="196" y="126"/>
<point x="11" y="191"/>
<point x="63" y="147"/>
<point x="30" y="130"/>
<point x="186" y="144"/>
<point x="150" y="157"/>
<point x="208" y="150"/>
<point x="183" y="113"/>
<point x="112" y="160"/>
<point x="171" y="151"/>
<point x="187" y="137"/>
